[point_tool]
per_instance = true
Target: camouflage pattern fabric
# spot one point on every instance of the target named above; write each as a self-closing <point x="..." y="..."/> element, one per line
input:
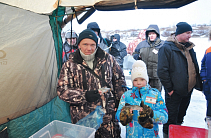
<point x="71" y="84"/>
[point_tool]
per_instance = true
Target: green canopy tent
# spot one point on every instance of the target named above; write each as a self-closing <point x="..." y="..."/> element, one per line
<point x="30" y="57"/>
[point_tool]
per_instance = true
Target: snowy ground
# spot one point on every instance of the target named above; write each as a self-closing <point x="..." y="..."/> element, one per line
<point x="196" y="112"/>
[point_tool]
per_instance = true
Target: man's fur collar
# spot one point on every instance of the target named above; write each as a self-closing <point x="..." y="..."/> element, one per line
<point x="187" y="46"/>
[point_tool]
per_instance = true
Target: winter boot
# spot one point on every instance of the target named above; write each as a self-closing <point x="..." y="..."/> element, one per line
<point x="165" y="135"/>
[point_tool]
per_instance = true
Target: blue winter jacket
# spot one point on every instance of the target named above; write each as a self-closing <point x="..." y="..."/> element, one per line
<point x="134" y="129"/>
<point x="206" y="65"/>
<point x="206" y="73"/>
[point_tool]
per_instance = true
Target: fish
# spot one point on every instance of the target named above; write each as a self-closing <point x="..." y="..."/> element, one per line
<point x="104" y="89"/>
<point x="134" y="107"/>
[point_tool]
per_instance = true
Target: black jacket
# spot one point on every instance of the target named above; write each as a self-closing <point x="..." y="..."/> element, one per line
<point x="173" y="69"/>
<point x="104" y="44"/>
<point x="118" y="49"/>
<point x="95" y="27"/>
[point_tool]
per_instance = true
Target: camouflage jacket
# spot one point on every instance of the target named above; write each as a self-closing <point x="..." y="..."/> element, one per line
<point x="75" y="80"/>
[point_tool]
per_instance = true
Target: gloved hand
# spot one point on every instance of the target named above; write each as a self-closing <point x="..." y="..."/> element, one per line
<point x="145" y="118"/>
<point x="92" y="96"/>
<point x="126" y="116"/>
<point x="107" y="118"/>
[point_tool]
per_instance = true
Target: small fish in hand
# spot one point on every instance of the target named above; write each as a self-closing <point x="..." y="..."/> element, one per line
<point x="134" y="107"/>
<point x="104" y="89"/>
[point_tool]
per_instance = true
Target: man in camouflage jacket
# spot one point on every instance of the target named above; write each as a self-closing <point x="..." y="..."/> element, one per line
<point x="89" y="69"/>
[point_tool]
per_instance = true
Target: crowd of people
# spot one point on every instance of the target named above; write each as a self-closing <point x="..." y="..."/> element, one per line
<point x="92" y="76"/>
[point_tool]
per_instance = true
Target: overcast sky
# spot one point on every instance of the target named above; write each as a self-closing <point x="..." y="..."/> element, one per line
<point x="198" y="12"/>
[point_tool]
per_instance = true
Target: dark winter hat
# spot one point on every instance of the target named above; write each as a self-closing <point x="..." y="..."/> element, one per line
<point x="182" y="27"/>
<point x="88" y="33"/>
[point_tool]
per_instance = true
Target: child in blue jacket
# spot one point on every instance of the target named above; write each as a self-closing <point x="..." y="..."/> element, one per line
<point x="142" y="108"/>
<point x="206" y="77"/>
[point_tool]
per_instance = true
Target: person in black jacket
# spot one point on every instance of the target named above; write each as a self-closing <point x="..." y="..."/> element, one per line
<point x="178" y="72"/>
<point x="118" y="49"/>
<point x="102" y="42"/>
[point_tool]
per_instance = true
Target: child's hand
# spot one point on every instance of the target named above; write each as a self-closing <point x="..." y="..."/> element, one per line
<point x="141" y="109"/>
<point x="145" y="118"/>
<point x="131" y="110"/>
<point x="126" y="115"/>
<point x="147" y="110"/>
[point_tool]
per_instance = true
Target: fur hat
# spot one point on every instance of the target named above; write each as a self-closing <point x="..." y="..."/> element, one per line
<point x="182" y="27"/>
<point x="139" y="69"/>
<point x="88" y="33"/>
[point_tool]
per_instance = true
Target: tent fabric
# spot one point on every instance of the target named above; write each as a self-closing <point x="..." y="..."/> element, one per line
<point x="28" y="70"/>
<point x="48" y="6"/>
<point x="55" y="21"/>
<point x="27" y="61"/>
<point x="3" y="131"/>
<point x="140" y="4"/>
<point x="27" y="125"/>
<point x="38" y="6"/>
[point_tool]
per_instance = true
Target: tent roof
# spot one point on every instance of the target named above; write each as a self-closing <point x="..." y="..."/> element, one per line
<point x="48" y="6"/>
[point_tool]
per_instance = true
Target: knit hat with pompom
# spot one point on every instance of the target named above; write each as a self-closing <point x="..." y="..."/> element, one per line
<point x="139" y="69"/>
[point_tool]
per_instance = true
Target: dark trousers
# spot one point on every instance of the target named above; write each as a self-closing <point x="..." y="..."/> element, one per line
<point x="155" y="83"/>
<point x="207" y="93"/>
<point x="208" y="108"/>
<point x="177" y="106"/>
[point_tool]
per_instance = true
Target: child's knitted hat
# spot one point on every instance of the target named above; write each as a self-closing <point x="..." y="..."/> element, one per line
<point x="139" y="70"/>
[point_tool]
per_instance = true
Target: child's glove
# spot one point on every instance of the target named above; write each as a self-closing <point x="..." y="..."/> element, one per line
<point x="126" y="116"/>
<point x="145" y="118"/>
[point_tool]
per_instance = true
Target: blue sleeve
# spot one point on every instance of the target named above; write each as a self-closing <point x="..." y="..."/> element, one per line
<point x="121" y="105"/>
<point x="160" y="113"/>
<point x="137" y="51"/>
<point x="203" y="68"/>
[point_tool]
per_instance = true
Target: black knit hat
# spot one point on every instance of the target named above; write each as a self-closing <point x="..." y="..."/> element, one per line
<point x="88" y="33"/>
<point x="182" y="27"/>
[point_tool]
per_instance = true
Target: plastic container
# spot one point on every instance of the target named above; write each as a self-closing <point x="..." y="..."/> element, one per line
<point x="177" y="131"/>
<point x="59" y="129"/>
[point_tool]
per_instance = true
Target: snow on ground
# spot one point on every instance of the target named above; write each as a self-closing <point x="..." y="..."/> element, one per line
<point x="196" y="112"/>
